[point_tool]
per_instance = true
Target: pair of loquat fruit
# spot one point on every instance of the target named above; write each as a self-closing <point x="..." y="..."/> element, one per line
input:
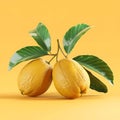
<point x="69" y="77"/>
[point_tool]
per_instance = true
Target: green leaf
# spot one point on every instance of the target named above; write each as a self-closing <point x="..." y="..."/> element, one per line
<point x="42" y="36"/>
<point x="26" y="53"/>
<point x="96" y="84"/>
<point x="73" y="35"/>
<point x="96" y="64"/>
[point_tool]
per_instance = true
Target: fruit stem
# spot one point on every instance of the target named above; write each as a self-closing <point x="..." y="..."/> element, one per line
<point x="52" y="54"/>
<point x="57" y="50"/>
<point x="56" y="54"/>
<point x="61" y="48"/>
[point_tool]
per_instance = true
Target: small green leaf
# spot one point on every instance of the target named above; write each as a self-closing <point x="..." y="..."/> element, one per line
<point x="73" y="35"/>
<point x="24" y="54"/>
<point x="42" y="36"/>
<point x="96" y="84"/>
<point x="96" y="64"/>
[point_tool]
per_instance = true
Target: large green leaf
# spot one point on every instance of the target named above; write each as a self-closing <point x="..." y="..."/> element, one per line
<point x="42" y="36"/>
<point x="26" y="53"/>
<point x="96" y="84"/>
<point x="96" y="64"/>
<point x="73" y="35"/>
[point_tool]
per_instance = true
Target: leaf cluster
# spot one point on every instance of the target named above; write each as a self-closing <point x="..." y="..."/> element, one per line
<point x="90" y="62"/>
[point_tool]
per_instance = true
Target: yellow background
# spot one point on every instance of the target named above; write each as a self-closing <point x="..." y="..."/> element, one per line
<point x="18" y="17"/>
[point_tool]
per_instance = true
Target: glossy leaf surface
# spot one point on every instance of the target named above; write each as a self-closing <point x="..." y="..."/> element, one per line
<point x="96" y="64"/>
<point x="73" y="35"/>
<point x="26" y="53"/>
<point x="42" y="36"/>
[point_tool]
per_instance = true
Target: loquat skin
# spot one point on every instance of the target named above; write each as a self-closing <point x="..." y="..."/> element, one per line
<point x="70" y="78"/>
<point x="35" y="78"/>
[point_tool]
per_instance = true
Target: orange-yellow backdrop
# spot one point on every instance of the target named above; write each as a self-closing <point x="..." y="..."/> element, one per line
<point x="18" y="17"/>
